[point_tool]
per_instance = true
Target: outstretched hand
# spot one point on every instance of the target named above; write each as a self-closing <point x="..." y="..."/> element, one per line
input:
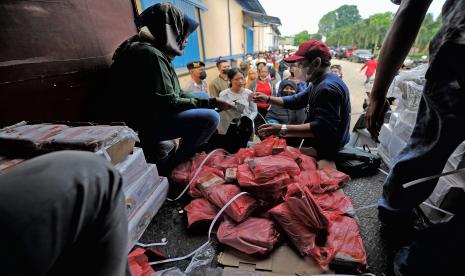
<point x="266" y="130"/>
<point x="223" y="105"/>
<point x="258" y="97"/>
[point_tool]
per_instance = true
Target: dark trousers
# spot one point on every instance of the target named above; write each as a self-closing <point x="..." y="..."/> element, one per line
<point x="63" y="214"/>
<point x="439" y="129"/>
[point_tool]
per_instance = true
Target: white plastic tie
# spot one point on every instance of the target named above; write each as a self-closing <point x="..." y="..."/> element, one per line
<point x="424" y="179"/>
<point x="163" y="242"/>
<point x="196" y="173"/>
<point x="383" y="171"/>
<point x="209" y="233"/>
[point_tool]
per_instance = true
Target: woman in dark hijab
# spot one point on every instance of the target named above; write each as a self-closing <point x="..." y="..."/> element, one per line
<point x="158" y="108"/>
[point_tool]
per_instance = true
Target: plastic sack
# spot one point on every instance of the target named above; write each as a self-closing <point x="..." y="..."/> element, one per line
<point x="334" y="202"/>
<point x="269" y="166"/>
<point x="332" y="180"/>
<point x="254" y="236"/>
<point x="292" y="153"/>
<point x="344" y="237"/>
<point x="304" y="222"/>
<point x="307" y="163"/>
<point x="269" y="190"/>
<point x="321" y="181"/>
<point x="193" y="190"/>
<point x="221" y="161"/>
<point x="139" y="263"/>
<point x="184" y="172"/>
<point x="200" y="211"/>
<point x="240" y="209"/>
<point x="244" y="154"/>
<point x="269" y="146"/>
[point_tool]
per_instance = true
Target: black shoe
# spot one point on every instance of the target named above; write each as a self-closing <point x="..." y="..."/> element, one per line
<point x="397" y="227"/>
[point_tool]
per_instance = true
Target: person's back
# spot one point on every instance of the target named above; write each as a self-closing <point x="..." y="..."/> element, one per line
<point x="133" y="62"/>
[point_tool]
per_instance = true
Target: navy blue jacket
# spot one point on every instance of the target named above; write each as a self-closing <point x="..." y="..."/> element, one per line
<point x="328" y="102"/>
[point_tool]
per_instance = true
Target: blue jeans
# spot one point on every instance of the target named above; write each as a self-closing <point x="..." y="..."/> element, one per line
<point x="438" y="131"/>
<point x="194" y="126"/>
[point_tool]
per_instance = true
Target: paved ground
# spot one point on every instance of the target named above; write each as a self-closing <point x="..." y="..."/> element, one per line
<point x="170" y="222"/>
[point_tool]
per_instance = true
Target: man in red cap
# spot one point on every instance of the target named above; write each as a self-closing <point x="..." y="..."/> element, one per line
<point x="327" y="125"/>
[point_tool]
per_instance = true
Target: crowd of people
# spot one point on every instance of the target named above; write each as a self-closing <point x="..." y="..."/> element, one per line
<point x="79" y="214"/>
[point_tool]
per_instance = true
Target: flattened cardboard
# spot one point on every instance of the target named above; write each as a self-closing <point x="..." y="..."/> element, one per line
<point x="121" y="150"/>
<point x="283" y="261"/>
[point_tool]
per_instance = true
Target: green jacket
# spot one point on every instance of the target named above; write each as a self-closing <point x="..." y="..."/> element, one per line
<point x="144" y="77"/>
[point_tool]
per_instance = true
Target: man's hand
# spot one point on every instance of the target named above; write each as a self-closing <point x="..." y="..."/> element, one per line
<point x="260" y="97"/>
<point x="266" y="130"/>
<point x="374" y="117"/>
<point x="223" y="105"/>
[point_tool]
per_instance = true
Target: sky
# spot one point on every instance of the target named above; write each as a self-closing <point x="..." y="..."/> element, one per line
<point x="300" y="15"/>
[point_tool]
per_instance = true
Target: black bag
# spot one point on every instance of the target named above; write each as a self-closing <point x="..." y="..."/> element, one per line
<point x="357" y="162"/>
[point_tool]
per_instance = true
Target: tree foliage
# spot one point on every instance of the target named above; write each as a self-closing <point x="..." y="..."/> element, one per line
<point x="301" y="38"/>
<point x="369" y="33"/>
<point x="343" y="16"/>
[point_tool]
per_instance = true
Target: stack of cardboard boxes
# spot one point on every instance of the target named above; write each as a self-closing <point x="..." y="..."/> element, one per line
<point x="407" y="88"/>
<point x="144" y="190"/>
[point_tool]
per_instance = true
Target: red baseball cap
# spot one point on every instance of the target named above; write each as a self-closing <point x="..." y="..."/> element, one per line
<point x="309" y="49"/>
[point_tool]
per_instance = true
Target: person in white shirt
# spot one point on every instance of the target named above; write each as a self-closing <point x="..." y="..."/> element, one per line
<point x="240" y="97"/>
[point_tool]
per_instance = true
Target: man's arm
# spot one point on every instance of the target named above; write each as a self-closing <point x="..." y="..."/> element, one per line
<point x="396" y="46"/>
<point x="363" y="67"/>
<point x="304" y="131"/>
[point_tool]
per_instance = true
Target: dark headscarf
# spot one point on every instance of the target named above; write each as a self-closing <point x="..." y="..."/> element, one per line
<point x="169" y="25"/>
<point x="285" y="83"/>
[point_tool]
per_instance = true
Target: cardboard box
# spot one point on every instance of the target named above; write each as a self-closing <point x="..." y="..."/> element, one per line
<point x="283" y="261"/>
<point x="144" y="215"/>
<point x="132" y="167"/>
<point x="25" y="140"/>
<point x="137" y="192"/>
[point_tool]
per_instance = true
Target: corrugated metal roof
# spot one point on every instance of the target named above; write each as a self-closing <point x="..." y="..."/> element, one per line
<point x="264" y="18"/>
<point x="252" y="5"/>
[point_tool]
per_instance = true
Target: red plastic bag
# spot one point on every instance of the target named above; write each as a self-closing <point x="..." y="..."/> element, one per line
<point x="304" y="222"/>
<point x="290" y="152"/>
<point x="269" y="166"/>
<point x="334" y="202"/>
<point x="244" y="154"/>
<point x="269" y="146"/>
<point x="221" y="161"/>
<point x="193" y="190"/>
<point x="344" y="237"/>
<point x="307" y="163"/>
<point x="200" y="211"/>
<point x="183" y="173"/>
<point x="253" y="236"/>
<point x="240" y="209"/>
<point x="138" y="261"/>
<point x="322" y="181"/>
<point x="332" y="179"/>
<point x="269" y="190"/>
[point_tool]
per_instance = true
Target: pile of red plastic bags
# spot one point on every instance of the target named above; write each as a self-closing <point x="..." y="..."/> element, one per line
<point x="288" y="197"/>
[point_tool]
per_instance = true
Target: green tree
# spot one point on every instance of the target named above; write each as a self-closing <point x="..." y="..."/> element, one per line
<point x="301" y="38"/>
<point x="327" y="23"/>
<point x="347" y="15"/>
<point x="343" y="16"/>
